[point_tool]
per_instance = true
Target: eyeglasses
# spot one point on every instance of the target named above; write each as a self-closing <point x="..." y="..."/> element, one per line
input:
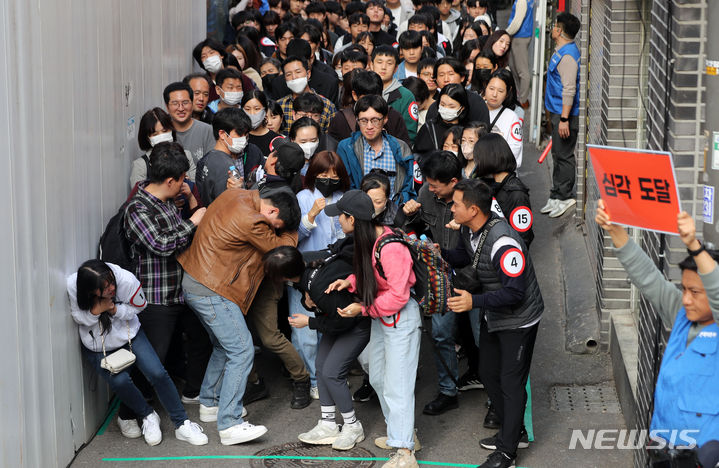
<point x="375" y="121"/>
<point x="180" y="103"/>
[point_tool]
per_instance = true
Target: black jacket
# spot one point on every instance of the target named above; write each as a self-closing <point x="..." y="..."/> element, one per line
<point x="315" y="282"/>
<point x="511" y="194"/>
<point x="323" y="83"/>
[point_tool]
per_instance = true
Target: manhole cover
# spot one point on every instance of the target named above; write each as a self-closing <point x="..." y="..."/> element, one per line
<point x="297" y="454"/>
<point x="587" y="399"/>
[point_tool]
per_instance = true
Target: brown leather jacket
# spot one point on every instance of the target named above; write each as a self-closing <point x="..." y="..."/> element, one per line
<point x="226" y="253"/>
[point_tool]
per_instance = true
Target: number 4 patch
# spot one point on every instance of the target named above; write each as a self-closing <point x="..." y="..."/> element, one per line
<point x="512" y="262"/>
<point x="521" y="219"/>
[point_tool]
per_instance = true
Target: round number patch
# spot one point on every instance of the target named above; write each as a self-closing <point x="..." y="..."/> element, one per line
<point x="512" y="262"/>
<point x="417" y="173"/>
<point x="516" y="131"/>
<point x="496" y="208"/>
<point x="413" y="111"/>
<point x="521" y="219"/>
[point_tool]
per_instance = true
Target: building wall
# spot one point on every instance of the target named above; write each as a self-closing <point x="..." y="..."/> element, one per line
<point x="644" y="90"/>
<point x="74" y="76"/>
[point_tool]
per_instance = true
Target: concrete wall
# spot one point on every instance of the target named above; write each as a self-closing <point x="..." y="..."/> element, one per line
<point x="73" y="76"/>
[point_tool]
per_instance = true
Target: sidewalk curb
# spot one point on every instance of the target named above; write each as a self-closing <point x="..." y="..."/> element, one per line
<point x="580" y="292"/>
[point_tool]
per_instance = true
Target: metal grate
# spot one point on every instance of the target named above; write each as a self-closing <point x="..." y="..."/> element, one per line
<point x="299" y="455"/>
<point x="587" y="399"/>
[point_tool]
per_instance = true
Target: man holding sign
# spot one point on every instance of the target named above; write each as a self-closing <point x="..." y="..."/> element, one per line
<point x="685" y="397"/>
<point x="505" y="305"/>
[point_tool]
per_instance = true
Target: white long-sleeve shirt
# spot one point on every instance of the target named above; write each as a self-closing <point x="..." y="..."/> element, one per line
<point x="131" y="301"/>
<point x="510" y="126"/>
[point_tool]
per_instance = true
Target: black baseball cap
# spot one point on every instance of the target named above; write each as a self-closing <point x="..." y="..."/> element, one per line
<point x="355" y="203"/>
<point x="290" y="155"/>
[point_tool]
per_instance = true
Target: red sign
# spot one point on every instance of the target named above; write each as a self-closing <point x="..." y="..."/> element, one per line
<point x="639" y="188"/>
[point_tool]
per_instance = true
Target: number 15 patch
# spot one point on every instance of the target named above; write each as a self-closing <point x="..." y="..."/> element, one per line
<point x="512" y="262"/>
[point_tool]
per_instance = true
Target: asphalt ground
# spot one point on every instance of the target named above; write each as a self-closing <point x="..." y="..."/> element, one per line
<point x="450" y="439"/>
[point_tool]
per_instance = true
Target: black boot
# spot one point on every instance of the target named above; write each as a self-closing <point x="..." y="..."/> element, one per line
<point x="300" y="394"/>
<point x="441" y="404"/>
<point x="255" y="391"/>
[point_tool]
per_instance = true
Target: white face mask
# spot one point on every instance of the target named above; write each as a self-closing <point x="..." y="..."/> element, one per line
<point x="467" y="149"/>
<point x="448" y="114"/>
<point x="339" y="74"/>
<point x="238" y="145"/>
<point x="212" y="64"/>
<point x="257" y="119"/>
<point x="161" y="138"/>
<point x="298" y="85"/>
<point x="453" y="152"/>
<point x="231" y="98"/>
<point x="309" y="148"/>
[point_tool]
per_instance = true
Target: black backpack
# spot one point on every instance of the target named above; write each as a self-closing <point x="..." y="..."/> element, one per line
<point x="114" y="246"/>
<point x="433" y="276"/>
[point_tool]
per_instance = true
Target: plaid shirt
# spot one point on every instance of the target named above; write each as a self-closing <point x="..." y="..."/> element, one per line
<point x="328" y="112"/>
<point x="380" y="160"/>
<point x="156" y="233"/>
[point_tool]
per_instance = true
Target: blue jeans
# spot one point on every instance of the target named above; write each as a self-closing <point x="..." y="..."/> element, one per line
<point x="305" y="340"/>
<point x="394" y="353"/>
<point x="231" y="360"/>
<point x="149" y="364"/>
<point x="443" y="336"/>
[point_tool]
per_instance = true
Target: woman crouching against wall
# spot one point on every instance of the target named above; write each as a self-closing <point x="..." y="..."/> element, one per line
<point x="104" y="302"/>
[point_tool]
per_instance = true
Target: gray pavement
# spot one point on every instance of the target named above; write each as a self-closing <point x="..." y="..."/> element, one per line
<point x="447" y="440"/>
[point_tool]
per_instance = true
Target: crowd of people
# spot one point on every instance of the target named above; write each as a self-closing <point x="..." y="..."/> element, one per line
<point x="279" y="171"/>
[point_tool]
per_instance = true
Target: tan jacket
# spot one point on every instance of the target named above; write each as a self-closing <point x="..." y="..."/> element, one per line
<point x="226" y="253"/>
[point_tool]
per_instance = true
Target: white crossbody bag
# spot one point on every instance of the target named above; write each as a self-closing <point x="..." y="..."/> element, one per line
<point x="120" y="359"/>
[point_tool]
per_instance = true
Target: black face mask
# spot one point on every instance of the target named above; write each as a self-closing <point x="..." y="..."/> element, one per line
<point x="267" y="80"/>
<point x="483" y="74"/>
<point x="327" y="186"/>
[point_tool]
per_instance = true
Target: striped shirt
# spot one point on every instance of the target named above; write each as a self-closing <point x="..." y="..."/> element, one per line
<point x="157" y="233"/>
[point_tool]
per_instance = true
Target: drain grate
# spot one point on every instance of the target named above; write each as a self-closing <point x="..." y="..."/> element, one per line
<point x="587" y="399"/>
<point x="297" y="454"/>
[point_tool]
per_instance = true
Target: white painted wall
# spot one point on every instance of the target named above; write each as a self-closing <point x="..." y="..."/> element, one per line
<point x="72" y="72"/>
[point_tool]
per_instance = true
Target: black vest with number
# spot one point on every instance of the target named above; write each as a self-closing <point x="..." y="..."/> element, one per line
<point x="511" y="316"/>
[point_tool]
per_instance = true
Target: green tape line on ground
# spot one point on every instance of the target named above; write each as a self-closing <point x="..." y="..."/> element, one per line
<point x="113" y="408"/>
<point x="278" y="457"/>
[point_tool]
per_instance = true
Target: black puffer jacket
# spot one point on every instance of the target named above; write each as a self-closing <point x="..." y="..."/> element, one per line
<point x="337" y="265"/>
<point x="511" y="194"/>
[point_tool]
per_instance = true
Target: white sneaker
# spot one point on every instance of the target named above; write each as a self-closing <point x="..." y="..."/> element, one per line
<point x="562" y="207"/>
<point x="322" y="434"/>
<point x="129" y="428"/>
<point x="240" y="433"/>
<point x="190" y="400"/>
<point x="402" y="458"/>
<point x="549" y="207"/>
<point x="315" y="393"/>
<point x="351" y="435"/>
<point x="151" y="429"/>
<point x="208" y="413"/>
<point x="191" y="432"/>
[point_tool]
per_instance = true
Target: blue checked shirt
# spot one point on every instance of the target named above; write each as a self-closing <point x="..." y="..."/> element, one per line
<point x="383" y="160"/>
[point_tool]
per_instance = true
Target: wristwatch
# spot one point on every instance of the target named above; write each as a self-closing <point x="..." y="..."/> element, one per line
<point x="563" y="119"/>
<point x="696" y="252"/>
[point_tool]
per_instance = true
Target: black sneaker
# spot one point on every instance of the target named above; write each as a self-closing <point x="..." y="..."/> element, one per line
<point x="491" y="421"/>
<point x="255" y="391"/>
<point x="490" y="443"/>
<point x="301" y="394"/>
<point x="364" y="393"/>
<point x="498" y="460"/>
<point x="470" y="381"/>
<point x="441" y="404"/>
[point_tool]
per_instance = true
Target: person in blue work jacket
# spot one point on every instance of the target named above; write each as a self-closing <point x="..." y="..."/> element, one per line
<point x="685" y="397"/>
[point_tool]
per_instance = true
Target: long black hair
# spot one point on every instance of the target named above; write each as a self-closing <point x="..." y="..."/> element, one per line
<point x="365" y="236"/>
<point x="91" y="276"/>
